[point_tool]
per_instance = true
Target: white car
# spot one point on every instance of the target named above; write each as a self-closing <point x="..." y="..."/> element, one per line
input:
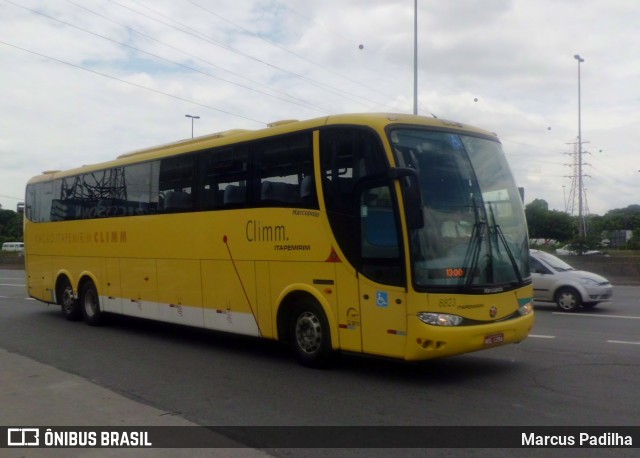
<point x="13" y="246"/>
<point x="566" y="250"/>
<point x="556" y="281"/>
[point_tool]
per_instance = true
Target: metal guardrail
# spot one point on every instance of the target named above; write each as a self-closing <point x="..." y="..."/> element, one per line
<point x="623" y="270"/>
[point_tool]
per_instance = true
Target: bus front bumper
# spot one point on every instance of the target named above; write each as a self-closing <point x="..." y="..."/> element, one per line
<point x="426" y="341"/>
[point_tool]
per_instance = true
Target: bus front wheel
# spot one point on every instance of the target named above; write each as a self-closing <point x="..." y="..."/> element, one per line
<point x="310" y="335"/>
<point x="90" y="304"/>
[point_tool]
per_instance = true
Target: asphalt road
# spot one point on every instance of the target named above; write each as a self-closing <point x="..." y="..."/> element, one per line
<point x="575" y="369"/>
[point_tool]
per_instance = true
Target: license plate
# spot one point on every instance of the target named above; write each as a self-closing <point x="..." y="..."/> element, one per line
<point x="493" y="339"/>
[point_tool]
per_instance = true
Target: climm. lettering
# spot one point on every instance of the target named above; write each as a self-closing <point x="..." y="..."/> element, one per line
<point x="257" y="232"/>
<point x="110" y="237"/>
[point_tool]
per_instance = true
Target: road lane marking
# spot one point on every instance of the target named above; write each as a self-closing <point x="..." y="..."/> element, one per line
<point x="540" y="336"/>
<point x="10" y="284"/>
<point x="623" y="342"/>
<point x="598" y="316"/>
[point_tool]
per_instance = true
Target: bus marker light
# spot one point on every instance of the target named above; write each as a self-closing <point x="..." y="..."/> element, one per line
<point x="333" y="256"/>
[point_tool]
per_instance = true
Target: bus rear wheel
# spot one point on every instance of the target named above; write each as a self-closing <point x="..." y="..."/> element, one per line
<point x="64" y="294"/>
<point x="310" y="335"/>
<point x="90" y="304"/>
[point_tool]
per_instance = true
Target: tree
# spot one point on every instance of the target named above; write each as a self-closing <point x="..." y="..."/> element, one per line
<point x="546" y="224"/>
<point x="10" y="226"/>
<point x="13" y="228"/>
<point x="622" y="218"/>
<point x="634" y="243"/>
<point x="5" y="216"/>
<point x="536" y="213"/>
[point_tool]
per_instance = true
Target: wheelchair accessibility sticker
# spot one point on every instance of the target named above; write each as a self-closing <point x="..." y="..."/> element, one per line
<point x="382" y="299"/>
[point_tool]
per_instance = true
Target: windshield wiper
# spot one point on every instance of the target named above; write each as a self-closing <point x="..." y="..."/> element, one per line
<point x="503" y="239"/>
<point x="472" y="256"/>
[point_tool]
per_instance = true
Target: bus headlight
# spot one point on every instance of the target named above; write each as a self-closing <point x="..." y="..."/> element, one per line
<point x="439" y="319"/>
<point x="526" y="308"/>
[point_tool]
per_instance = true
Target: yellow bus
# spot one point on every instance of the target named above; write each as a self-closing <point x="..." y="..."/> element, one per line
<point x="386" y="234"/>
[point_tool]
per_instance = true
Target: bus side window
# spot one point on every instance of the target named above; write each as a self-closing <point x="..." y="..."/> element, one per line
<point x="380" y="257"/>
<point x="176" y="182"/>
<point x="235" y="195"/>
<point x="308" y="193"/>
<point x="223" y="178"/>
<point x="281" y="165"/>
<point x="379" y="234"/>
<point x="142" y="181"/>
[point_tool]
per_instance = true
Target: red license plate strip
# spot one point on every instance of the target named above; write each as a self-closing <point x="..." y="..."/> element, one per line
<point x="493" y="339"/>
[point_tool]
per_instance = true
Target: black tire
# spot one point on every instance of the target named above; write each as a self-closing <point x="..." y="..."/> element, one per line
<point x="68" y="303"/>
<point x="568" y="299"/>
<point x="310" y="336"/>
<point x="90" y="304"/>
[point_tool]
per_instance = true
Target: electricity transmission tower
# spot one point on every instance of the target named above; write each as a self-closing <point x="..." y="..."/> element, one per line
<point x="105" y="184"/>
<point x="577" y="201"/>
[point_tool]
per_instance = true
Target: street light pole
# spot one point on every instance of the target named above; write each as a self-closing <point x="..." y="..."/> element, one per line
<point x="415" y="57"/>
<point x="581" y="225"/>
<point x="192" y="118"/>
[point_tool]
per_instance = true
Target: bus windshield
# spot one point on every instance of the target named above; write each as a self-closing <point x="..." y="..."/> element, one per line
<point x="473" y="233"/>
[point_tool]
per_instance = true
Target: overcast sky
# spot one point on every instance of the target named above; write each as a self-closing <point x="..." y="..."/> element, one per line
<point x="82" y="81"/>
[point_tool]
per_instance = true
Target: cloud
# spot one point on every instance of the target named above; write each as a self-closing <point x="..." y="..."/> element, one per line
<point x="99" y="78"/>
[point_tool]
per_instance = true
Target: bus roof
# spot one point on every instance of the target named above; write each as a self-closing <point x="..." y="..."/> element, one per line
<point x="376" y="120"/>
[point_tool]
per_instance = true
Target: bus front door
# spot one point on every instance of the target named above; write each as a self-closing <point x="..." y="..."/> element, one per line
<point x="381" y="277"/>
<point x="383" y="318"/>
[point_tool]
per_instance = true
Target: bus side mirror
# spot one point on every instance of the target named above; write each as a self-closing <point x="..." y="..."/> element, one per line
<point x="20" y="208"/>
<point x="411" y="194"/>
